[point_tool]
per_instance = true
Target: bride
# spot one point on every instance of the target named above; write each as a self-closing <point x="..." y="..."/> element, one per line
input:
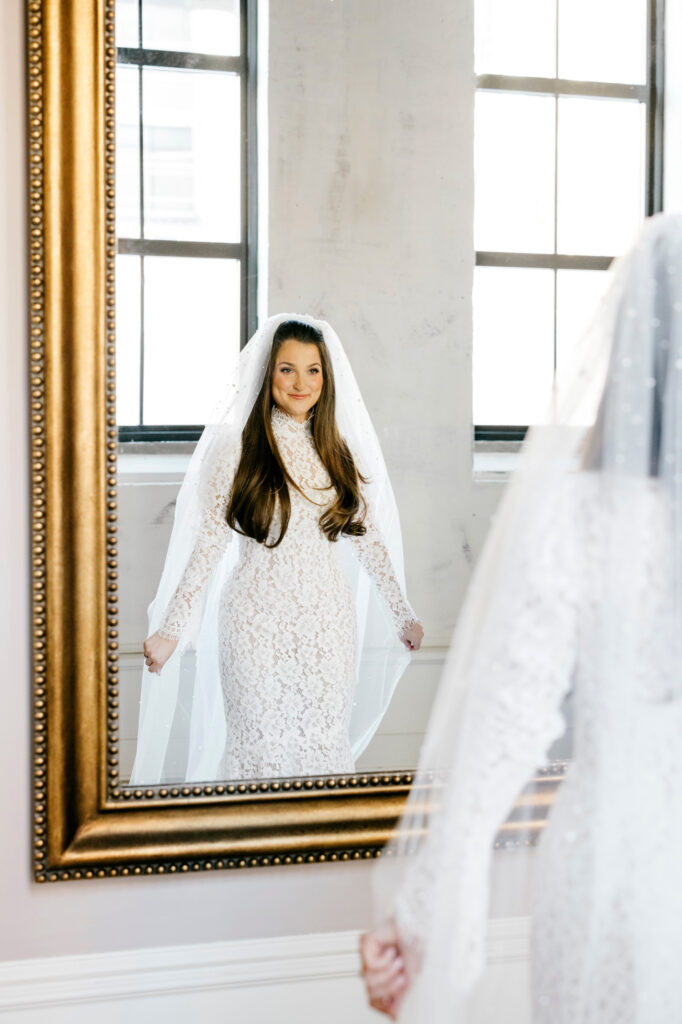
<point x="288" y="487"/>
<point x="579" y="589"/>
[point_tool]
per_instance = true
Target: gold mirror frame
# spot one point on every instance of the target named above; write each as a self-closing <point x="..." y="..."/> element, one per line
<point x="85" y="824"/>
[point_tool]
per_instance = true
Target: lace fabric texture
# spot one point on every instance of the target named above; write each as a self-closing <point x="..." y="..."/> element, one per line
<point x="515" y="689"/>
<point x="606" y="909"/>
<point x="287" y="622"/>
<point x="607" y="918"/>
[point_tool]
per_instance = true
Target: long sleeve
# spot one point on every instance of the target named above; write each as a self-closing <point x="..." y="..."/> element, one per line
<point x="513" y="694"/>
<point x="373" y="555"/>
<point x="213" y="537"/>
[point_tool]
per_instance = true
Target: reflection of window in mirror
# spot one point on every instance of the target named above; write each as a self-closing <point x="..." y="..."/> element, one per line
<point x="567" y="163"/>
<point x="185" y="276"/>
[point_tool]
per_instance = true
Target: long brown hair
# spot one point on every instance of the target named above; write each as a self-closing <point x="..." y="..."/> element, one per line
<point x="262" y="479"/>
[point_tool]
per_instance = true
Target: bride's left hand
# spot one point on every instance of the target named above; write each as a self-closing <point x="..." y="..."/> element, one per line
<point x="383" y="969"/>
<point x="412" y="636"/>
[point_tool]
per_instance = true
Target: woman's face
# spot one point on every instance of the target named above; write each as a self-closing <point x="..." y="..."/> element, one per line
<point x="297" y="378"/>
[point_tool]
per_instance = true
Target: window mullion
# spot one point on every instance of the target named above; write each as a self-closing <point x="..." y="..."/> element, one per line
<point x="655" y="94"/>
<point x="241" y="253"/>
<point x="141" y="165"/>
<point x="556" y="178"/>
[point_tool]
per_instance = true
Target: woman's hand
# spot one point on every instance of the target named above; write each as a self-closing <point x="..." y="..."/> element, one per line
<point x="412" y="636"/>
<point x="383" y="969"/>
<point x="157" y="650"/>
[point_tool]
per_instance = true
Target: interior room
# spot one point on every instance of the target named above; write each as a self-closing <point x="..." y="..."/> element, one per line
<point x="440" y="189"/>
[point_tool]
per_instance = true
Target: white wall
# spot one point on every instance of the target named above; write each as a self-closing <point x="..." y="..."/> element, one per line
<point x="118" y="914"/>
<point x="370" y="226"/>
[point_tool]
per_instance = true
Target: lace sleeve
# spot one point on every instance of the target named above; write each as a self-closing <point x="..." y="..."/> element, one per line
<point x="373" y="555"/>
<point x="511" y="718"/>
<point x="214" y="535"/>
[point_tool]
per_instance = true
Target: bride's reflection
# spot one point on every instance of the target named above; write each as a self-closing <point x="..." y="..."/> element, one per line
<point x="284" y="573"/>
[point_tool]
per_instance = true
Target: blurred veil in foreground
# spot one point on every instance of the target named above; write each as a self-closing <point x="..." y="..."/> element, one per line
<point x="578" y="590"/>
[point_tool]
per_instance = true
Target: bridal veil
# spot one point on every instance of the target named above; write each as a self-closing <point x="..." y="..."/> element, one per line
<point x="465" y="851"/>
<point x="181" y="734"/>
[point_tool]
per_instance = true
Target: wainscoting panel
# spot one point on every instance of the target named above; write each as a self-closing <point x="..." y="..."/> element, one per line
<point x="306" y="979"/>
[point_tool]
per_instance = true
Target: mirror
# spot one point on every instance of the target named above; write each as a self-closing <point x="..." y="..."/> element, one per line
<point x="339" y="194"/>
<point x="268" y="159"/>
<point x="361" y="213"/>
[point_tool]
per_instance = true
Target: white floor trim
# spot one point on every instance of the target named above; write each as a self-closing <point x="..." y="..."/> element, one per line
<point x="54" y="983"/>
<point x="173" y="969"/>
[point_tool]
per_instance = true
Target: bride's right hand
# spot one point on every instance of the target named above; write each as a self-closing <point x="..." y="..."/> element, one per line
<point x="157" y="650"/>
<point x="412" y="636"/>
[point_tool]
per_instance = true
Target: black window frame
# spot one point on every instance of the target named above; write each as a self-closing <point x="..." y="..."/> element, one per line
<point x="246" y="251"/>
<point x="651" y="93"/>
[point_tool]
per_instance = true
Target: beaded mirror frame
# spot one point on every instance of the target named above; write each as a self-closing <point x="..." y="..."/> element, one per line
<point x="86" y="824"/>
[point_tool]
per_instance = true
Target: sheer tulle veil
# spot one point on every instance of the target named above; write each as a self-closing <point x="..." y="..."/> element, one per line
<point x="181" y="733"/>
<point x="615" y="418"/>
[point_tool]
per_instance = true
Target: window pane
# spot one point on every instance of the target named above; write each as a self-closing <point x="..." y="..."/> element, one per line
<point x="127" y="153"/>
<point x="514" y="172"/>
<point x="192" y="155"/>
<point x="191" y="342"/>
<point x="603" y="40"/>
<point x="601" y="174"/>
<point x="504" y="43"/>
<point x="513" y="344"/>
<point x="198" y="26"/>
<point x="128" y="340"/>
<point x="127" y="23"/>
<point x="578" y="295"/>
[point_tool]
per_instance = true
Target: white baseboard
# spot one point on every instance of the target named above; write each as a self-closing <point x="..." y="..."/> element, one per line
<point x="302" y="979"/>
<point x="175" y="969"/>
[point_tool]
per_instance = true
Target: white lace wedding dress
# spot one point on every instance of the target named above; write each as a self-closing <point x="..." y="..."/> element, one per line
<point x="607" y="907"/>
<point x="608" y="912"/>
<point x="288" y="643"/>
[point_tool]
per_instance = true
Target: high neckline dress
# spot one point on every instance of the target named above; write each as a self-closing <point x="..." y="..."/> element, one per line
<point x="288" y="633"/>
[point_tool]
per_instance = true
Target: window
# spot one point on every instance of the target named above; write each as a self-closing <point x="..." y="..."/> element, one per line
<point x="185" y="206"/>
<point x="567" y="163"/>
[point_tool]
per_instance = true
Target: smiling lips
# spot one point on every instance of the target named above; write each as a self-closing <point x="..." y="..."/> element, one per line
<point x="299" y="396"/>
